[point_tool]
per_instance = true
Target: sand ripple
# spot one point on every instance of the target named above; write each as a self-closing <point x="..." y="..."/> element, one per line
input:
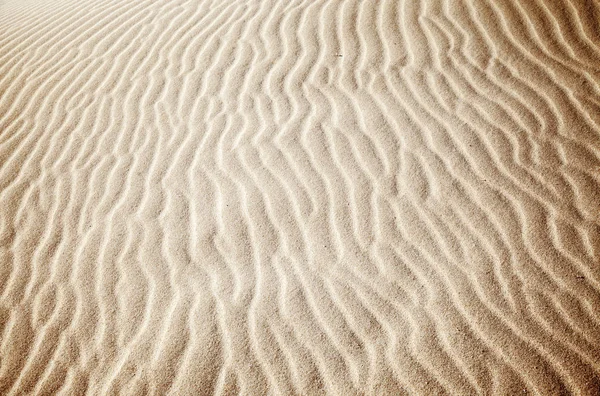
<point x="300" y="197"/>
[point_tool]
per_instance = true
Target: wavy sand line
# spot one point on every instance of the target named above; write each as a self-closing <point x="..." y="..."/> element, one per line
<point x="335" y="197"/>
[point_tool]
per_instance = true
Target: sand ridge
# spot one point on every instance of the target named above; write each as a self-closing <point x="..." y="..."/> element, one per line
<point x="300" y="197"/>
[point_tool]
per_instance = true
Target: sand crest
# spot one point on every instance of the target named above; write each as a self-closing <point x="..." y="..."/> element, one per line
<point x="299" y="197"/>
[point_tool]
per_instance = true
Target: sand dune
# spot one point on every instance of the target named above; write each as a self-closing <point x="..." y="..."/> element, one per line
<point x="300" y="197"/>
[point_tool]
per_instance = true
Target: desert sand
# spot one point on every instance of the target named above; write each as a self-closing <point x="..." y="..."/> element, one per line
<point x="299" y="197"/>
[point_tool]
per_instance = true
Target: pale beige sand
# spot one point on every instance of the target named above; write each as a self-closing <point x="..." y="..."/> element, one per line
<point x="300" y="197"/>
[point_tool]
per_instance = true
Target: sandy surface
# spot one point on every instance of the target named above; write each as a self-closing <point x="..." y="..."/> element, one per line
<point x="300" y="197"/>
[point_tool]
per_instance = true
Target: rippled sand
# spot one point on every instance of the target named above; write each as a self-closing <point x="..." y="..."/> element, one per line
<point x="300" y="197"/>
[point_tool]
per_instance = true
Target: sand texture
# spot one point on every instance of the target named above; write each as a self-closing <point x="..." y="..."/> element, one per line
<point x="342" y="197"/>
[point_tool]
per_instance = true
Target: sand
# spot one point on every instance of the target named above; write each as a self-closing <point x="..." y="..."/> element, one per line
<point x="299" y="197"/>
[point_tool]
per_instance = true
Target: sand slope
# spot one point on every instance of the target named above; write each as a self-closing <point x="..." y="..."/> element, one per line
<point x="300" y="197"/>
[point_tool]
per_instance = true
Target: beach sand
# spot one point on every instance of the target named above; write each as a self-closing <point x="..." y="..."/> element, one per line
<point x="299" y="197"/>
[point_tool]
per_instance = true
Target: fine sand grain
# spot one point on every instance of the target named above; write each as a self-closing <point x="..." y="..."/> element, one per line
<point x="339" y="197"/>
